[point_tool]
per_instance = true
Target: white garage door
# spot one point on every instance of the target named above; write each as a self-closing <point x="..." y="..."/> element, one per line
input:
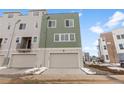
<point x="1" y="60"/>
<point x="64" y="60"/>
<point x="22" y="61"/>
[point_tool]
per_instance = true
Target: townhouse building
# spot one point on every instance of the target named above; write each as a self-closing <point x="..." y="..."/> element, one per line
<point x="40" y="39"/>
<point x="106" y="48"/>
<point x="118" y="36"/>
<point x="20" y="38"/>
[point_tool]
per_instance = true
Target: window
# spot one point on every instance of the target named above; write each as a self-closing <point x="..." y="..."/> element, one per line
<point x="122" y="36"/>
<point x="17" y="40"/>
<point x="107" y="58"/>
<point x="121" y="46"/>
<point x="8" y="27"/>
<point x="69" y="23"/>
<point x="56" y="38"/>
<point x="5" y="40"/>
<point x="22" y="26"/>
<point x="36" y="13"/>
<point x="118" y="37"/>
<point x="51" y="23"/>
<point x="72" y="37"/>
<point x="35" y="39"/>
<point x="105" y="47"/>
<point x="0" y="42"/>
<point x="10" y="15"/>
<point x="25" y="43"/>
<point x="64" y="37"/>
<point x="36" y="25"/>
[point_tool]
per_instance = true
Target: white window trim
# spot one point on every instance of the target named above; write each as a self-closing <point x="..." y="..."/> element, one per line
<point x="68" y="26"/>
<point x="64" y="40"/>
<point x="48" y="24"/>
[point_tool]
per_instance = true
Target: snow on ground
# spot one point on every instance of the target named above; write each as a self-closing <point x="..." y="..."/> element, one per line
<point x="116" y="68"/>
<point x="88" y="71"/>
<point x="41" y="70"/>
<point x="36" y="71"/>
<point x="31" y="71"/>
<point x="110" y="65"/>
<point x="2" y="68"/>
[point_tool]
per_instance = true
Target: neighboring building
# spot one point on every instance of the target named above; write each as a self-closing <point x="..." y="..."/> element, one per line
<point x="20" y="38"/>
<point x="107" y="49"/>
<point x="87" y="56"/>
<point x="40" y="39"/>
<point x="118" y="35"/>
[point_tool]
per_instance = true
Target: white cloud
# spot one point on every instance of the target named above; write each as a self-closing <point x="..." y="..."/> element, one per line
<point x="92" y="48"/>
<point x="97" y="29"/>
<point x="95" y="43"/>
<point x="115" y="19"/>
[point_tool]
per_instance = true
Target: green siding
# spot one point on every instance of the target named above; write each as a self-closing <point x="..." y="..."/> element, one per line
<point x="60" y="28"/>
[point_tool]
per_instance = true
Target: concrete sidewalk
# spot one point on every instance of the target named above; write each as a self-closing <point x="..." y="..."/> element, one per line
<point x="75" y="79"/>
<point x="65" y="71"/>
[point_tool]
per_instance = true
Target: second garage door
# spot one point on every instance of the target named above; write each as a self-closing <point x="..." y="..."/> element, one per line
<point x="22" y="61"/>
<point x="63" y="60"/>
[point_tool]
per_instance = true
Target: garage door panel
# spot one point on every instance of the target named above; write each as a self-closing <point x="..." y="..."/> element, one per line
<point x="64" y="60"/>
<point x="23" y="61"/>
<point x="1" y="60"/>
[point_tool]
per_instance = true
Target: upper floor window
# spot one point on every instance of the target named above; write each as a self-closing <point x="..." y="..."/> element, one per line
<point x="17" y="40"/>
<point x="122" y="36"/>
<point x="36" y="25"/>
<point x="64" y="37"/>
<point x="22" y="26"/>
<point x="35" y="39"/>
<point x="56" y="37"/>
<point x="51" y="24"/>
<point x="5" y="40"/>
<point x="72" y="37"/>
<point x="0" y="42"/>
<point x="121" y="46"/>
<point x="9" y="27"/>
<point x="69" y="23"/>
<point x="25" y="43"/>
<point x="105" y="47"/>
<point x="118" y="37"/>
<point x="107" y="57"/>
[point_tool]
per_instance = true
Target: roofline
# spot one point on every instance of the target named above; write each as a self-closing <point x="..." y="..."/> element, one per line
<point x="117" y="28"/>
<point x="32" y="10"/>
<point x="11" y="12"/>
<point x="61" y="13"/>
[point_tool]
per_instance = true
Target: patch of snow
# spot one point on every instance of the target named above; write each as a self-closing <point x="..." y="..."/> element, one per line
<point x="2" y="68"/>
<point x="115" y="64"/>
<point x="110" y="65"/>
<point x="41" y="70"/>
<point x="116" y="68"/>
<point x="88" y="71"/>
<point x="105" y="64"/>
<point x="31" y="71"/>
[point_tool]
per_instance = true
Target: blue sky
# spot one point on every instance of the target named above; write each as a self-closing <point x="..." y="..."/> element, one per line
<point x="92" y="23"/>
